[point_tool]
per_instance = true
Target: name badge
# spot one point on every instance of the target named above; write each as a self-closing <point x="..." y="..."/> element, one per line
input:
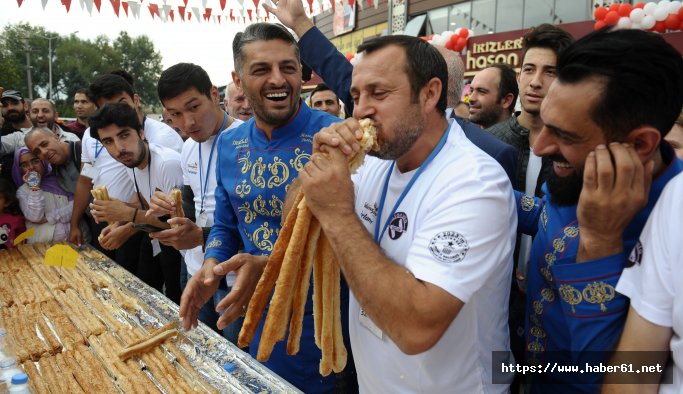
<point x="156" y="248"/>
<point x="202" y="219"/>
<point x="90" y="171"/>
<point x="366" y="322"/>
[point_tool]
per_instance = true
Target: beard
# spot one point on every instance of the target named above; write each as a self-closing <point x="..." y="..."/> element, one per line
<point x="408" y="131"/>
<point x="15" y="116"/>
<point x="141" y="157"/>
<point x="487" y="117"/>
<point x="564" y="191"/>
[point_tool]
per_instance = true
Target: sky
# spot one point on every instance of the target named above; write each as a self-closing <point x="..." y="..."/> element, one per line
<point x="207" y="44"/>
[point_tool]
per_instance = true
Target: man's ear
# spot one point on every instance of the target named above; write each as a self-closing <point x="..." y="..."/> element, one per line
<point x="215" y="96"/>
<point x="645" y="141"/>
<point x="506" y="102"/>
<point x="236" y="79"/>
<point x="432" y="93"/>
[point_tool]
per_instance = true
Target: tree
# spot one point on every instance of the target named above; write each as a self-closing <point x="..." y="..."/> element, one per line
<point x="139" y="58"/>
<point x="75" y="63"/>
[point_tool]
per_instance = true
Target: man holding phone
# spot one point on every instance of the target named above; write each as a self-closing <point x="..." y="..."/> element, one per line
<point x="152" y="167"/>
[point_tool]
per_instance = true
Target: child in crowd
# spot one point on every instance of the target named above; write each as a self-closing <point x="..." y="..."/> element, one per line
<point x="11" y="221"/>
<point x="46" y="206"/>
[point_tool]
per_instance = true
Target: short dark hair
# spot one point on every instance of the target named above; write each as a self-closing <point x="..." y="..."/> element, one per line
<point x="125" y="75"/>
<point x="546" y="36"/>
<point x="107" y="86"/>
<point x="508" y="83"/>
<point x="321" y="88"/>
<point x="120" y="114"/>
<point x="642" y="75"/>
<point x="183" y="77"/>
<point x="9" y="192"/>
<point x="81" y="91"/>
<point x="423" y="62"/>
<point x="260" y="32"/>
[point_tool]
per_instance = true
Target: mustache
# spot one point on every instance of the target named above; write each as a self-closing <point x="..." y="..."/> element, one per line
<point x="558" y="158"/>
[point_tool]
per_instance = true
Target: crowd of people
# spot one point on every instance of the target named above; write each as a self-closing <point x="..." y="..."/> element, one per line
<point x="469" y="242"/>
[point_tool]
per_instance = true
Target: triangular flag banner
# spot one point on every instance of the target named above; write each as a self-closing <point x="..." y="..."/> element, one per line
<point x="21" y="1"/>
<point x="351" y="3"/>
<point x="250" y="18"/>
<point x="125" y="7"/>
<point x="98" y="3"/>
<point x="171" y="15"/>
<point x="67" y="4"/>
<point x="185" y="1"/>
<point x="256" y="3"/>
<point x="43" y="1"/>
<point x="82" y="3"/>
<point x="135" y="10"/>
<point x="116" y="4"/>
<point x="207" y="14"/>
<point x="88" y="6"/>
<point x="154" y="10"/>
<point x="195" y="11"/>
<point x="181" y="11"/>
<point x="189" y="16"/>
<point x="166" y="10"/>
<point x="219" y="18"/>
<point x="376" y="3"/>
<point x="232" y="17"/>
<point x="222" y="4"/>
<point x="310" y="5"/>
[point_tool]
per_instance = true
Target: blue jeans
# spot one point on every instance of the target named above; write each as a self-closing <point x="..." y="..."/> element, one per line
<point x="209" y="316"/>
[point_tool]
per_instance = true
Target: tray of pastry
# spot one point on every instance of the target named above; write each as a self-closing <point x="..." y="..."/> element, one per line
<point x="97" y="328"/>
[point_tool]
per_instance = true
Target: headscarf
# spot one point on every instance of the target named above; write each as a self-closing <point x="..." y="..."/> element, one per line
<point x="48" y="182"/>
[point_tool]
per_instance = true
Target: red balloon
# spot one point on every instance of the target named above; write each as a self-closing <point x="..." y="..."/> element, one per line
<point x="461" y="43"/>
<point x="625" y="9"/>
<point x="349" y="56"/>
<point x="672" y="21"/>
<point x="449" y="45"/>
<point x="680" y="13"/>
<point x="614" y="7"/>
<point x="599" y="25"/>
<point x="659" y="27"/>
<point x="464" y="33"/>
<point x="600" y="13"/>
<point x="454" y="39"/>
<point x="612" y="18"/>
<point x="681" y="26"/>
<point x="639" y="5"/>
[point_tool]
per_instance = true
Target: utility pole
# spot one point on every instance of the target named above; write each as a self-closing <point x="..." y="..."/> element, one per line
<point x="28" y="69"/>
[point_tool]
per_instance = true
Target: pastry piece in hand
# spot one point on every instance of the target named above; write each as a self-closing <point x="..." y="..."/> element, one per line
<point x="177" y="196"/>
<point x="100" y="193"/>
<point x="368" y="142"/>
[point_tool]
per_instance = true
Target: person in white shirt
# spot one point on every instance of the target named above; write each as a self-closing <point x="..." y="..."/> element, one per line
<point x="99" y="168"/>
<point x="424" y="232"/>
<point x="653" y="280"/>
<point x="150" y="167"/>
<point x="191" y="100"/>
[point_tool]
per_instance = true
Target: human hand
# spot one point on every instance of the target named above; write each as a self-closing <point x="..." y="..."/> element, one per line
<point x="198" y="290"/>
<point x="115" y="235"/>
<point x="183" y="234"/>
<point x="327" y="185"/>
<point x="616" y="185"/>
<point x="111" y="211"/>
<point x="291" y="13"/>
<point x="248" y="269"/>
<point x="161" y="204"/>
<point x="75" y="235"/>
<point x="343" y="135"/>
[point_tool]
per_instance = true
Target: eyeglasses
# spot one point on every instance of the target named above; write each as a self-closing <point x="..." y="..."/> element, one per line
<point x="35" y="162"/>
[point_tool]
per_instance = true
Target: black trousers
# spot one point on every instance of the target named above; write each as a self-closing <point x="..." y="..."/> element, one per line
<point x="161" y="271"/>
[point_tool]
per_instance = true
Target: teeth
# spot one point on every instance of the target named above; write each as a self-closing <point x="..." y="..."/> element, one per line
<point x="563" y="164"/>
<point x="276" y="95"/>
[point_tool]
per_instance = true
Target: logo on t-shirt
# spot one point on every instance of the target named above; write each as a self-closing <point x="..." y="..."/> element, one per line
<point x="636" y="255"/>
<point x="192" y="167"/>
<point x="399" y="224"/>
<point x="449" y="247"/>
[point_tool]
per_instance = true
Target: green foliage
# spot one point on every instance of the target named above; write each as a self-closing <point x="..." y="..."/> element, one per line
<point x="75" y="63"/>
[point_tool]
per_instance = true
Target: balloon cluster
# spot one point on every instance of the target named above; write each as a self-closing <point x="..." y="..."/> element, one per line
<point x="659" y="17"/>
<point x="453" y="40"/>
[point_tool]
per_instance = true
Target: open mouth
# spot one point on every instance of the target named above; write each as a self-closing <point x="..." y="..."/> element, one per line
<point x="281" y="96"/>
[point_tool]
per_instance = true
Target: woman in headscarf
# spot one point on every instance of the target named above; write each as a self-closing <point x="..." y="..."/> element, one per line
<point x="45" y="205"/>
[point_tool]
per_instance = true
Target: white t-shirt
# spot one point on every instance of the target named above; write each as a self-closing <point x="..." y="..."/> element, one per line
<point x="112" y="173"/>
<point x="189" y="158"/>
<point x="164" y="172"/>
<point x="454" y="229"/>
<point x="655" y="281"/>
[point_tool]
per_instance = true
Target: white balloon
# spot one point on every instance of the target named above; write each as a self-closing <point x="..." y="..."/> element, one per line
<point x="471" y="33"/>
<point x="624" y="23"/>
<point x="674" y="6"/>
<point x="636" y="26"/>
<point x="661" y="12"/>
<point x="648" y="22"/>
<point x="637" y="15"/>
<point x="650" y="8"/>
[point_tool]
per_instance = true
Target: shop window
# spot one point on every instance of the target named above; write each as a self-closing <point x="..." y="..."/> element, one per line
<point x="483" y="16"/>
<point x="509" y="15"/>
<point x="438" y="19"/>
<point x="572" y="11"/>
<point x="459" y="15"/>
<point x="537" y="12"/>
